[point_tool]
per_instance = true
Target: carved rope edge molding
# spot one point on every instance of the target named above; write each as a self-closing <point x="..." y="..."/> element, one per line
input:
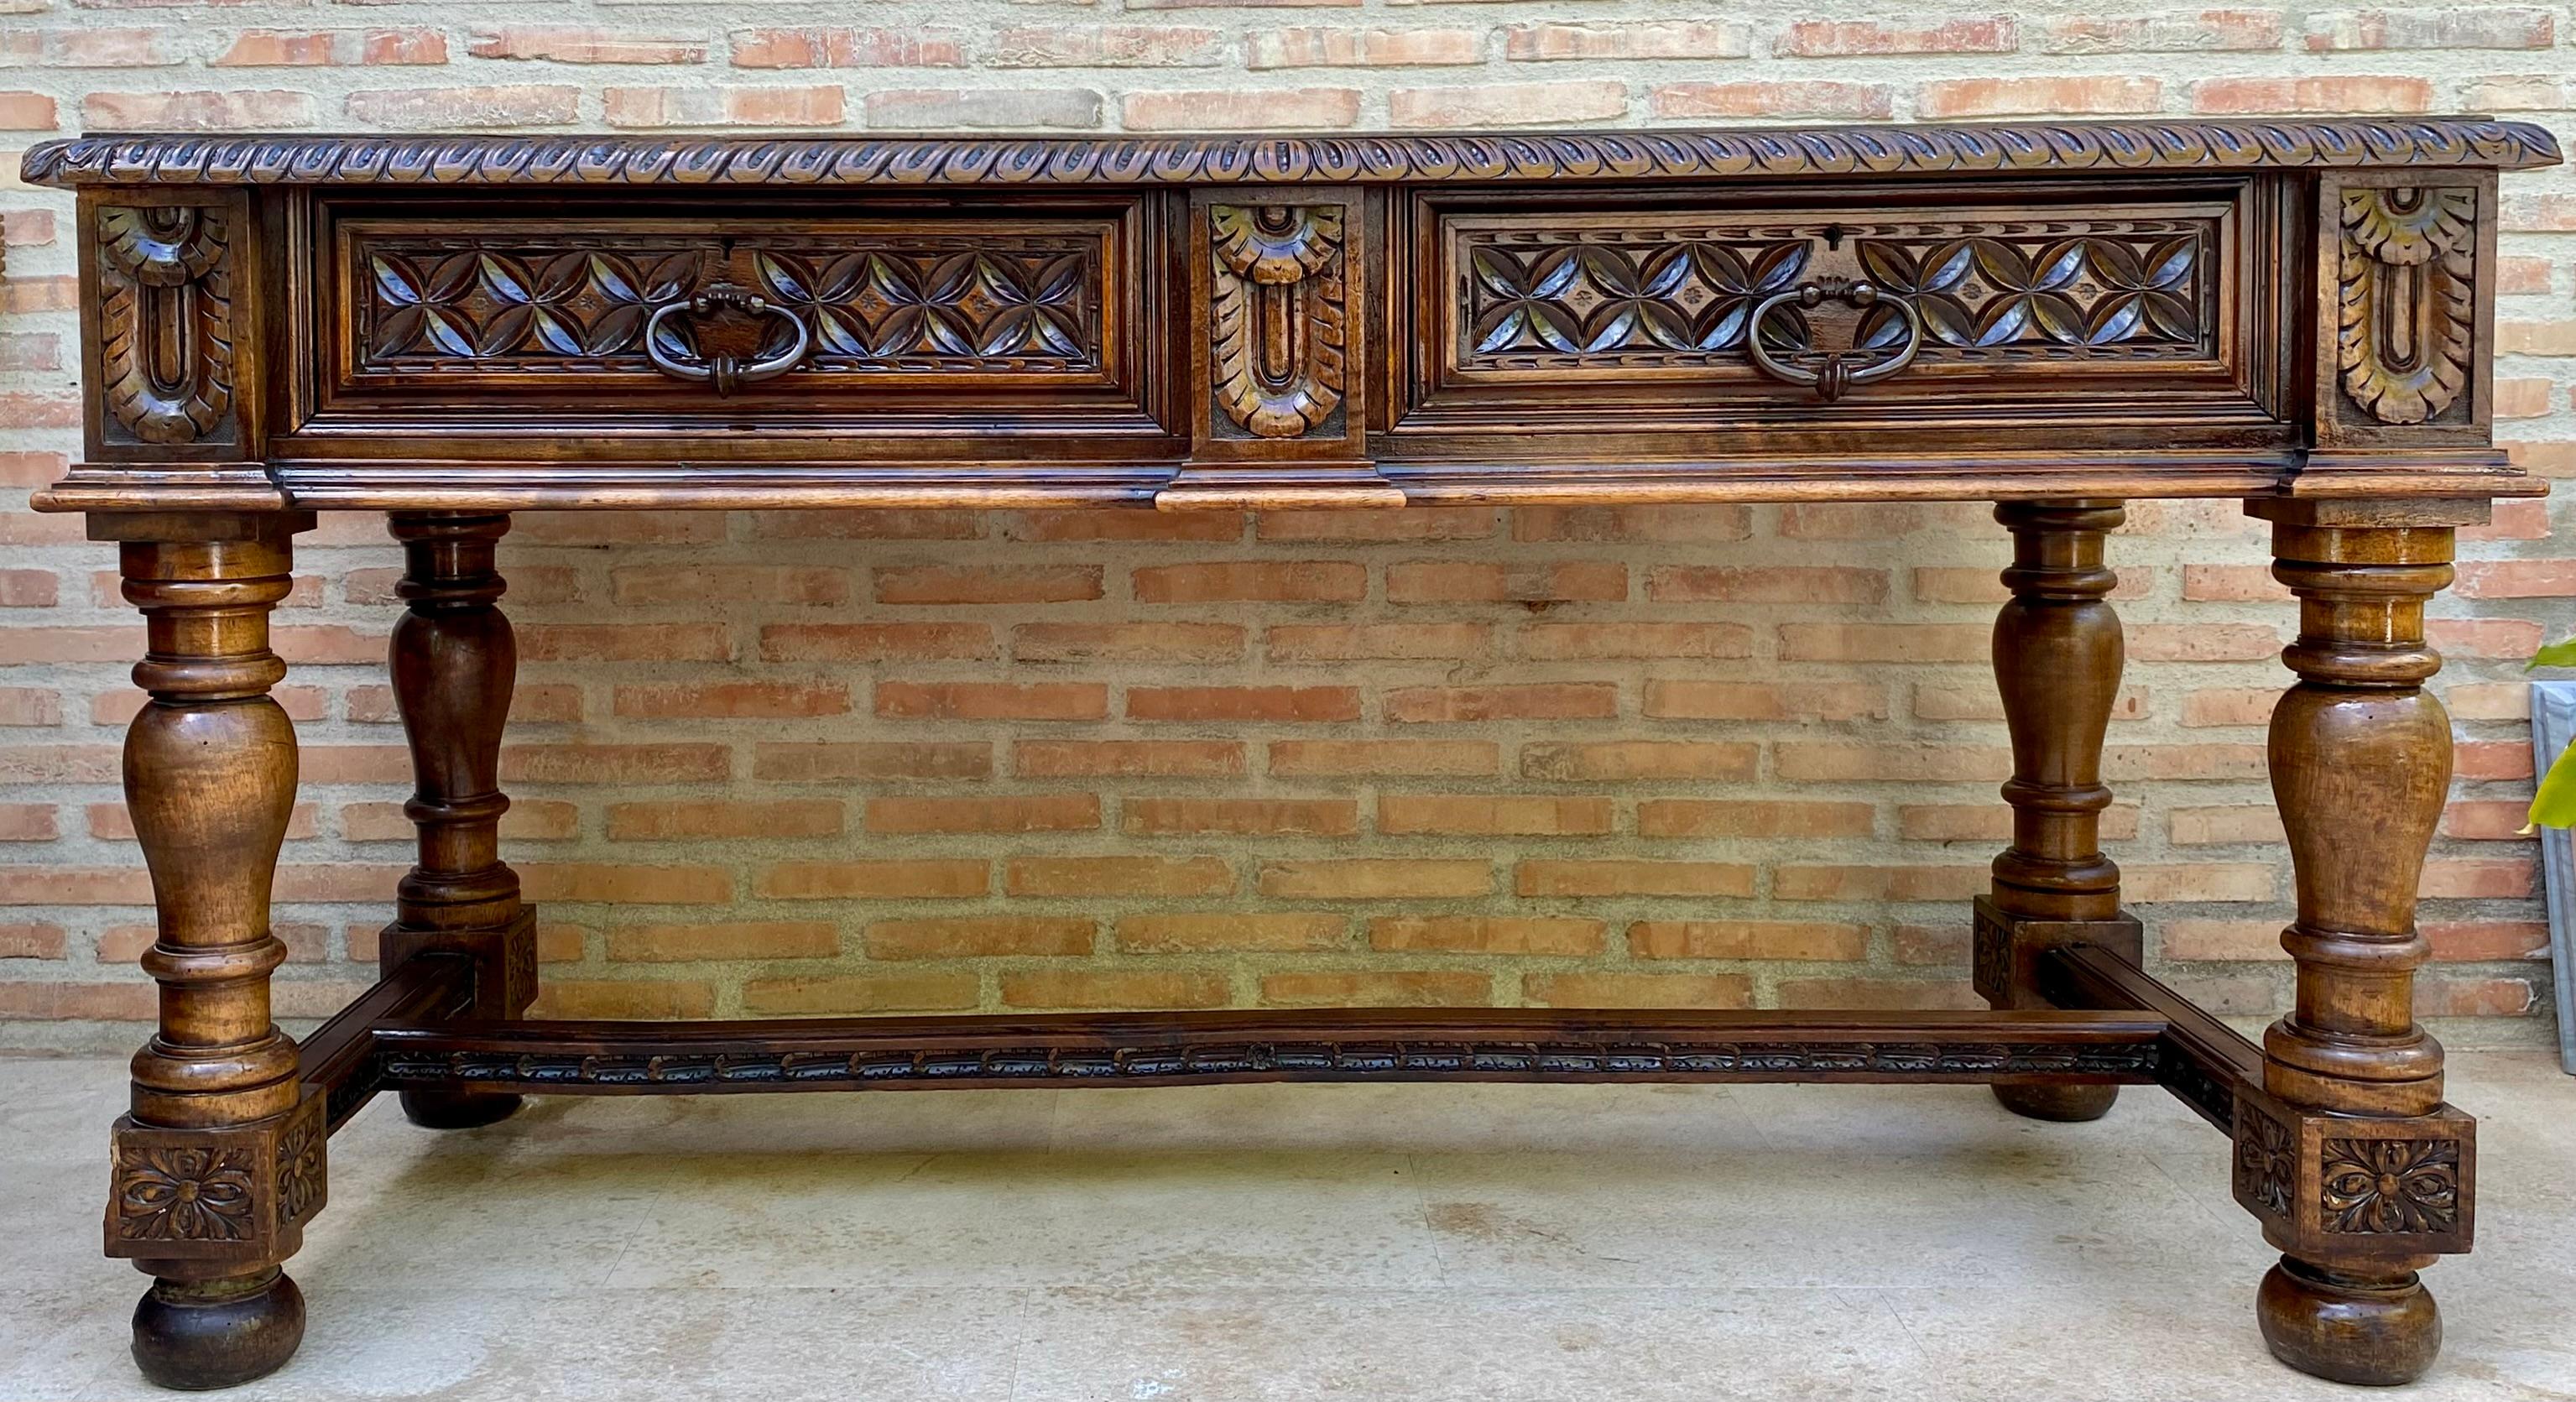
<point x="1787" y="151"/>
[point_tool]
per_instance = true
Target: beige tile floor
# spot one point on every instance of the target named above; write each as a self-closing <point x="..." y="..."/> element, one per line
<point x="1244" y="1244"/>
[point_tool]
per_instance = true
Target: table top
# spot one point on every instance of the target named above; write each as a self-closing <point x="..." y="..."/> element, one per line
<point x="2017" y="310"/>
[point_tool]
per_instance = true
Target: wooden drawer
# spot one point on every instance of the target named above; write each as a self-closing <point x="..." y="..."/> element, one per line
<point x="1638" y="319"/>
<point x="901" y="321"/>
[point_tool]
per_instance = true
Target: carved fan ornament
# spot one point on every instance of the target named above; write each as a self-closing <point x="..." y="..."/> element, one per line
<point x="2407" y="288"/>
<point x="165" y="323"/>
<point x="1278" y="317"/>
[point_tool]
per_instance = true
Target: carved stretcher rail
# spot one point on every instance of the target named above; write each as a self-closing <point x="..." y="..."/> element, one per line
<point x="340" y="1056"/>
<point x="1190" y="1048"/>
<point x="2207" y="1064"/>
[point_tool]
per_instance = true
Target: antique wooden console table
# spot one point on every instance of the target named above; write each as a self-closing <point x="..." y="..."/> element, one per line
<point x="2052" y="317"/>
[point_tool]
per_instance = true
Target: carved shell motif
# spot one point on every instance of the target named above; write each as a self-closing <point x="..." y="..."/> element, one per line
<point x="2407" y="291"/>
<point x="1277" y="318"/>
<point x="165" y="323"/>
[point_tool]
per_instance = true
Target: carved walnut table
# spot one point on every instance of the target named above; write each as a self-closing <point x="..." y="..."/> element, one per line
<point x="2052" y="317"/>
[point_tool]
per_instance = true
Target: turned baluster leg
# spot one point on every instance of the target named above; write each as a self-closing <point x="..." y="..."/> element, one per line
<point x="220" y="1160"/>
<point x="2357" y="1170"/>
<point x="2057" y="662"/>
<point x="454" y="662"/>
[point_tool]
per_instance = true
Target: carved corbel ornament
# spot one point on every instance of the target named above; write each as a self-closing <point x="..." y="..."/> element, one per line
<point x="1278" y="316"/>
<point x="2407" y="286"/>
<point x="166" y="336"/>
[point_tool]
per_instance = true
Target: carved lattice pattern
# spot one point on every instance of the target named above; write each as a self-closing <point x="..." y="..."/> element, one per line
<point x="1004" y="303"/>
<point x="1677" y="296"/>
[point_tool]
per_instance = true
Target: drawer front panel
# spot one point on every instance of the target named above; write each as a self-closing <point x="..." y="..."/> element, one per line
<point x="916" y="301"/>
<point x="901" y="315"/>
<point x="2022" y="312"/>
<point x="1676" y="294"/>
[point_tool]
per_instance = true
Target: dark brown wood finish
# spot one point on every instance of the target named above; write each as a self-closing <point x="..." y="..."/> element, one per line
<point x="2057" y="662"/>
<point x="454" y="662"/>
<point x="2056" y="317"/>
<point x="1467" y="1044"/>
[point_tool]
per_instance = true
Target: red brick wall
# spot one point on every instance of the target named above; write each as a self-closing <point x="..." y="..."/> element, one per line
<point x="950" y="760"/>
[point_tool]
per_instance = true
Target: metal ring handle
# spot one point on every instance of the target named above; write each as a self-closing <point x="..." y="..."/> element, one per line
<point x="727" y="373"/>
<point x="1842" y="369"/>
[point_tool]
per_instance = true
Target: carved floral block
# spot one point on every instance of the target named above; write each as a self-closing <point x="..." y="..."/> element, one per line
<point x="2338" y="1186"/>
<point x="166" y="337"/>
<point x="2407" y="300"/>
<point x="233" y="1193"/>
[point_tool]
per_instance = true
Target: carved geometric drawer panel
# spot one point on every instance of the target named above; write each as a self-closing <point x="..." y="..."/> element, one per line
<point x="936" y="303"/>
<point x="2020" y="313"/>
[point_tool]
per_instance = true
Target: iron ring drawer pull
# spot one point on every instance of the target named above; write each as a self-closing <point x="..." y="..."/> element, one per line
<point x="1842" y="370"/>
<point x="726" y="372"/>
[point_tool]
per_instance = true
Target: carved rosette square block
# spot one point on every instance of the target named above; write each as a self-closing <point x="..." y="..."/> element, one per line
<point x="505" y="962"/>
<point x="165" y="357"/>
<point x="2005" y="957"/>
<point x="232" y="1196"/>
<point x="2333" y="1187"/>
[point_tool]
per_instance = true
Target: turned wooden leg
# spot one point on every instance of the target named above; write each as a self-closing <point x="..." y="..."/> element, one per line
<point x="454" y="662"/>
<point x="2357" y="1170"/>
<point x="219" y="1162"/>
<point x="2057" y="662"/>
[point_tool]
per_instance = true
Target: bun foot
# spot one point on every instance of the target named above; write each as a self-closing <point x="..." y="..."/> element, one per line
<point x="217" y="1333"/>
<point x="2374" y="1329"/>
<point x="457" y="1109"/>
<point x="2064" y="1104"/>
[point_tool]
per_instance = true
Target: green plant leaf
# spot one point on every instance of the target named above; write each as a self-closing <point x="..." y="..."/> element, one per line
<point x="2554" y="806"/>
<point x="2554" y="655"/>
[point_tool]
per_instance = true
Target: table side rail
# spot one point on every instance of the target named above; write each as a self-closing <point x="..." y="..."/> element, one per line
<point x="2206" y="1062"/>
<point x="339" y="1059"/>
